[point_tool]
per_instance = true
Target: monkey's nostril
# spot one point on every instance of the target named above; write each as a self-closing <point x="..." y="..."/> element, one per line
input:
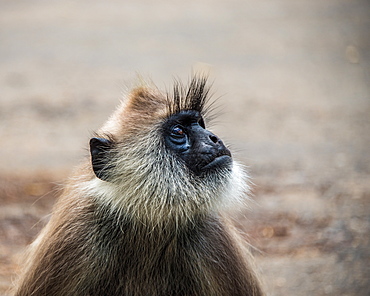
<point x="213" y="138"/>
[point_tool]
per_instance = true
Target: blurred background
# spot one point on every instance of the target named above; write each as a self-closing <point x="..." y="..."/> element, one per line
<point x="293" y="79"/>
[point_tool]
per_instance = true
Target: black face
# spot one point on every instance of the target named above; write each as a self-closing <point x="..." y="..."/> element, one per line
<point x="186" y="136"/>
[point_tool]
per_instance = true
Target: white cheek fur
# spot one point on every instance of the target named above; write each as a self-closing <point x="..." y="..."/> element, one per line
<point x="157" y="197"/>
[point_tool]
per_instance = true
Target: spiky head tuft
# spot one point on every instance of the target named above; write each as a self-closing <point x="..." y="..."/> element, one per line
<point x="193" y="97"/>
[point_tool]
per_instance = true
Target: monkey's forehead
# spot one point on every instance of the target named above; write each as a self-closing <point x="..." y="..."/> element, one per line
<point x="193" y="96"/>
<point x="145" y="106"/>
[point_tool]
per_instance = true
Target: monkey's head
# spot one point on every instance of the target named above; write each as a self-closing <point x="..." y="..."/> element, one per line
<point x="155" y="158"/>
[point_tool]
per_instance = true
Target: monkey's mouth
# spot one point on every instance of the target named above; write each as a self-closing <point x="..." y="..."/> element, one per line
<point x="219" y="162"/>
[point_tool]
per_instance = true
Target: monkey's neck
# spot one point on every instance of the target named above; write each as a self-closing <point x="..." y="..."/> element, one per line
<point x="168" y="227"/>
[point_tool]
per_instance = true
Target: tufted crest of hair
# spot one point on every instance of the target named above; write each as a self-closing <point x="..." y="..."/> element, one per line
<point x="148" y="182"/>
<point x="194" y="97"/>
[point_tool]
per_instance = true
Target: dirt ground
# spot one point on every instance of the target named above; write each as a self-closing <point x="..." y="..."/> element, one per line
<point x="293" y="80"/>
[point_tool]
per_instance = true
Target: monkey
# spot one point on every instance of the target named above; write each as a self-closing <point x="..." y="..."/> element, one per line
<point x="145" y="214"/>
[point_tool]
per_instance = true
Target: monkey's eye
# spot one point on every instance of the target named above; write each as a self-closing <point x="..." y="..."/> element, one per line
<point x="178" y="132"/>
<point x="178" y="135"/>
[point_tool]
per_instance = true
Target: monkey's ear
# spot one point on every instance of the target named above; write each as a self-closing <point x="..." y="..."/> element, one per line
<point x="99" y="150"/>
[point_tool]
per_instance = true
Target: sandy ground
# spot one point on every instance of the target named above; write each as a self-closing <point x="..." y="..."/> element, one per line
<point x="293" y="79"/>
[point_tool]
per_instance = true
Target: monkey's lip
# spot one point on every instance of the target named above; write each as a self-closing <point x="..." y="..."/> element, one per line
<point x="222" y="161"/>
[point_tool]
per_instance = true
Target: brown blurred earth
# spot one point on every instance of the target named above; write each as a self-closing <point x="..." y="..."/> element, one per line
<point x="293" y="79"/>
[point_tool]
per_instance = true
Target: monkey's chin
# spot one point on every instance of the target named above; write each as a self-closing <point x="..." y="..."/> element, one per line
<point x="219" y="163"/>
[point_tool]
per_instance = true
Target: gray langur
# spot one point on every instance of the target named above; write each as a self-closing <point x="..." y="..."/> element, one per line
<point x="145" y="215"/>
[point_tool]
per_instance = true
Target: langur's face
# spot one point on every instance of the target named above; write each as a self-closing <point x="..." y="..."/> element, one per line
<point x="185" y="135"/>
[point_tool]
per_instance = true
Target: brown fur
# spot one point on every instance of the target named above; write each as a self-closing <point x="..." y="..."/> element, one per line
<point x="93" y="246"/>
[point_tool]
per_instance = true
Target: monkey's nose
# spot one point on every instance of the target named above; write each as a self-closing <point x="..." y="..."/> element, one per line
<point x="214" y="138"/>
